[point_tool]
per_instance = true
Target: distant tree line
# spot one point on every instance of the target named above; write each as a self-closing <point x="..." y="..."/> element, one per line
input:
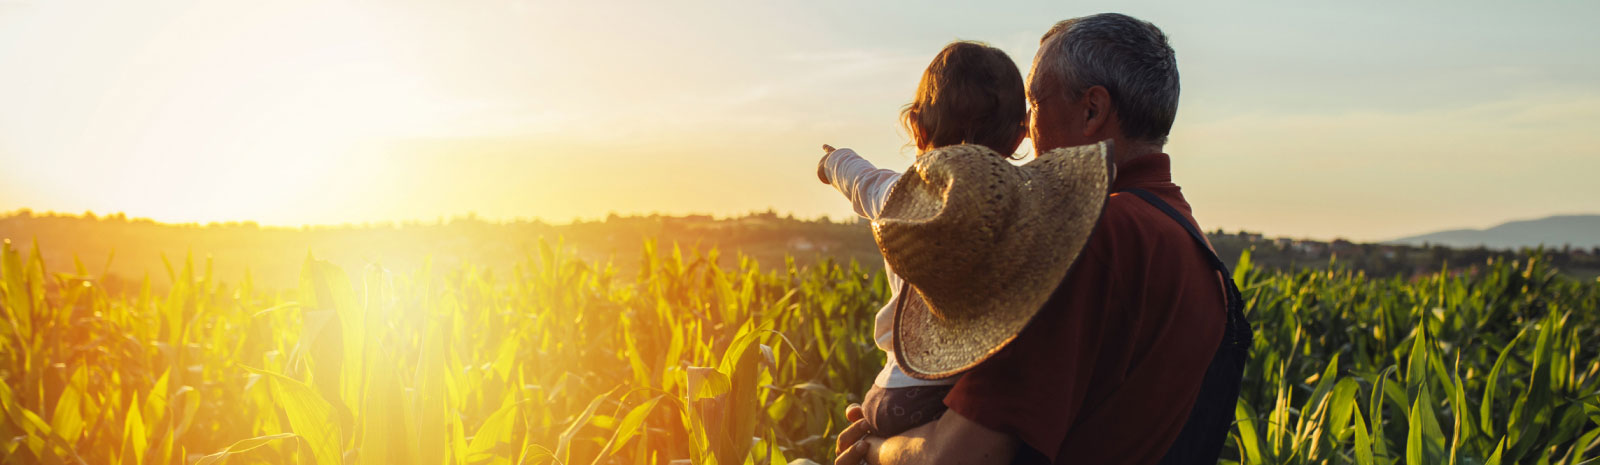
<point x="121" y="252"/>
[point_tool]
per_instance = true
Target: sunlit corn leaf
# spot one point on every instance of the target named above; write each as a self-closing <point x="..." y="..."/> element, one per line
<point x="493" y="441"/>
<point x="67" y="422"/>
<point x="1343" y="405"/>
<point x="242" y="446"/>
<point x="135" y="438"/>
<point x="1249" y="441"/>
<point x="564" y="446"/>
<point x="632" y="425"/>
<point x="310" y="417"/>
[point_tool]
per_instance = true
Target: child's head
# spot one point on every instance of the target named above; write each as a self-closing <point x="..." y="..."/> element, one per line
<point x="970" y="94"/>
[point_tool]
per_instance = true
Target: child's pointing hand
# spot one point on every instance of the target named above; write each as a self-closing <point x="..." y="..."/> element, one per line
<point x="822" y="171"/>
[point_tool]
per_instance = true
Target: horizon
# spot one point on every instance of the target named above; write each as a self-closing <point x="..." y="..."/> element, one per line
<point x="302" y="114"/>
<point x="472" y="216"/>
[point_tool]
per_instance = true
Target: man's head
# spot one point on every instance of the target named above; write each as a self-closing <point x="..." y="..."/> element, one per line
<point x="1106" y="76"/>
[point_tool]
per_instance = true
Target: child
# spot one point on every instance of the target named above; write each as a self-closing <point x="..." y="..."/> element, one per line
<point x="970" y="94"/>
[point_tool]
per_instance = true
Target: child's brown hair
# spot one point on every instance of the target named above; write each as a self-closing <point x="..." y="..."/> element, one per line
<point x="970" y="94"/>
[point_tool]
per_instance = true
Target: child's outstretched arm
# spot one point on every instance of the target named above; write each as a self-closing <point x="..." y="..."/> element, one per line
<point x="864" y="185"/>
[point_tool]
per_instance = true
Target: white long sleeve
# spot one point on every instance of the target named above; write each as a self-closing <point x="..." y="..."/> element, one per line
<point x="865" y="185"/>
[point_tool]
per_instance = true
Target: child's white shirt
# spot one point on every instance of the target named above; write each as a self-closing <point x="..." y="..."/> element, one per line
<point x="867" y="186"/>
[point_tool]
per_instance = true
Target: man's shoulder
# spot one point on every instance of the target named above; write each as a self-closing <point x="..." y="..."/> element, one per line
<point x="1132" y="222"/>
<point x="1115" y="238"/>
<point x="1123" y="209"/>
<point x="1135" y="237"/>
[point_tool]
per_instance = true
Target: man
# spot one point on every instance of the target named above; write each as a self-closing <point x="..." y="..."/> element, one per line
<point x="1110" y="369"/>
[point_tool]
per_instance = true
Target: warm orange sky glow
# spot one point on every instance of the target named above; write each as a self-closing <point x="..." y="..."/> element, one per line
<point x="1362" y="121"/>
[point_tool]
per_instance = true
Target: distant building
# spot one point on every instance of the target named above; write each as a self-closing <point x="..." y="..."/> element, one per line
<point x="1309" y="248"/>
<point x="801" y="244"/>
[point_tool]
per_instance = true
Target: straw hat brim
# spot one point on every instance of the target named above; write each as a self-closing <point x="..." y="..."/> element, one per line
<point x="977" y="278"/>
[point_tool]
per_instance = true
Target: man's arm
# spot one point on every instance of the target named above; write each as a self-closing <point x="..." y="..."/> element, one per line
<point x="953" y="439"/>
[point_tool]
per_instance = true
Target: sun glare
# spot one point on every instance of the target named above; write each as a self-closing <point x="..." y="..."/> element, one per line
<point x="220" y="114"/>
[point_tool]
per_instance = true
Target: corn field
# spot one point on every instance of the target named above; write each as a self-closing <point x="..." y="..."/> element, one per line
<point x="569" y="362"/>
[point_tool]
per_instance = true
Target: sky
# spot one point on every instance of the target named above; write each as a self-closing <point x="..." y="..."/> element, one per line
<point x="1361" y="120"/>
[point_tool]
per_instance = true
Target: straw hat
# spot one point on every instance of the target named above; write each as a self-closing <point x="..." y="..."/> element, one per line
<point x="982" y="244"/>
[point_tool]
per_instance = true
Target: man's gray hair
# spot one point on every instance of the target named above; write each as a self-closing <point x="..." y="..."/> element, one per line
<point x="1127" y="56"/>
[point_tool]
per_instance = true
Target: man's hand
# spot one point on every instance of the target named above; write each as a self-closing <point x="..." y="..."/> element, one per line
<point x="852" y="446"/>
<point x="822" y="171"/>
<point x="952" y="439"/>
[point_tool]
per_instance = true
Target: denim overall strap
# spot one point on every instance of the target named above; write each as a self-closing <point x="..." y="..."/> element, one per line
<point x="1213" y="413"/>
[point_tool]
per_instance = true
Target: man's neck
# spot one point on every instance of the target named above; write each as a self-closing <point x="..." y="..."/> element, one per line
<point x="1127" y="151"/>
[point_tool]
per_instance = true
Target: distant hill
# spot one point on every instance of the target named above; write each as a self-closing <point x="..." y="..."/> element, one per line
<point x="1579" y="231"/>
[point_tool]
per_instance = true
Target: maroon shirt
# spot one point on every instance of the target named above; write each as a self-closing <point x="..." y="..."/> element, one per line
<point x="1108" y="370"/>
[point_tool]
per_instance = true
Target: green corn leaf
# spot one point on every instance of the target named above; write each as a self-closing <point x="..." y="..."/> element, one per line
<point x="1494" y="459"/>
<point x="1249" y="441"/>
<point x="1417" y="368"/>
<point x="1461" y="430"/>
<point x="1491" y="380"/>
<point x="1363" y="442"/>
<point x="1424" y="440"/>
<point x="1375" y="405"/>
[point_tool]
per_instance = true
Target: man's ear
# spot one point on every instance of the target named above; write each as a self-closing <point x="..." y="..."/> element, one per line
<point x="1097" y="111"/>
